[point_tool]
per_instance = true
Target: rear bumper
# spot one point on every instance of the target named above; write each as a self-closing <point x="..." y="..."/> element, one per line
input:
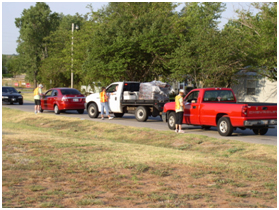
<point x="69" y="106"/>
<point x="249" y="123"/>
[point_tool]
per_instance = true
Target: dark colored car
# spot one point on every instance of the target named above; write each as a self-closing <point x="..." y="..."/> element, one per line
<point x="11" y="95"/>
<point x="62" y="99"/>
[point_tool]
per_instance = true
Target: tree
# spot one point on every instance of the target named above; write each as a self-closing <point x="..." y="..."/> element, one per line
<point x="131" y="42"/>
<point x="260" y="43"/>
<point x="34" y="25"/>
<point x="4" y="64"/>
<point x="204" y="52"/>
<point x="56" y="68"/>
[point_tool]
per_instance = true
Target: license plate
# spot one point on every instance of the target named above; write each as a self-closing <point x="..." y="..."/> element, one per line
<point x="75" y="99"/>
<point x="13" y="99"/>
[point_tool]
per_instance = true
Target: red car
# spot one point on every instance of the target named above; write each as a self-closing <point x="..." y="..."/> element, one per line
<point x="62" y="99"/>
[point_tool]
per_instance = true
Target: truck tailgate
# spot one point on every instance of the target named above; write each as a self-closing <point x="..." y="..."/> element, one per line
<point x="262" y="111"/>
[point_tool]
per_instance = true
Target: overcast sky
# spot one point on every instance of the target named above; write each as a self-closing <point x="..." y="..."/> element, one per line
<point x="12" y="10"/>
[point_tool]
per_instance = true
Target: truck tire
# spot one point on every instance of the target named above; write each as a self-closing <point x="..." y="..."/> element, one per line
<point x="260" y="131"/>
<point x="171" y="121"/>
<point x="141" y="114"/>
<point x="118" y="115"/>
<point x="224" y="126"/>
<point x="93" y="111"/>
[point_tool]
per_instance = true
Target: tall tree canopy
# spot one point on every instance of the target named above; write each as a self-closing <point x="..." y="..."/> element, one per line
<point x="260" y="38"/>
<point x="131" y="42"/>
<point x="143" y="41"/>
<point x="34" y="25"/>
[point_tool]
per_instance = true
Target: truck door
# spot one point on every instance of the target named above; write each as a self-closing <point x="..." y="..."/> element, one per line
<point x="192" y="108"/>
<point x="114" y="92"/>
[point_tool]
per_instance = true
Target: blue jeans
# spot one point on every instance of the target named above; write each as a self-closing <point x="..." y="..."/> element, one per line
<point x="104" y="105"/>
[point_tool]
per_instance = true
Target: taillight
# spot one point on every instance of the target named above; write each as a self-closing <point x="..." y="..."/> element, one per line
<point x="64" y="98"/>
<point x="244" y="111"/>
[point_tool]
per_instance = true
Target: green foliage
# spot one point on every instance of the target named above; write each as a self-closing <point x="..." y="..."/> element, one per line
<point x="260" y="38"/>
<point x="34" y="25"/>
<point x="131" y="42"/>
<point x="143" y="41"/>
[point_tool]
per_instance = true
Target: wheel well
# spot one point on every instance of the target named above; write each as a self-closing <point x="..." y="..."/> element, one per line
<point x="90" y="104"/>
<point x="220" y="115"/>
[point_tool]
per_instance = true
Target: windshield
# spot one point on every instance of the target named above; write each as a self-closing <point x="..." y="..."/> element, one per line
<point x="70" y="92"/>
<point x="8" y="90"/>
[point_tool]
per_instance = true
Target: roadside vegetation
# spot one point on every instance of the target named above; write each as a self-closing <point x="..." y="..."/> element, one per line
<point x="143" y="41"/>
<point x="53" y="161"/>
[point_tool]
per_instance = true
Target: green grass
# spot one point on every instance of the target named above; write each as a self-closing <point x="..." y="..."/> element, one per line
<point x="53" y="161"/>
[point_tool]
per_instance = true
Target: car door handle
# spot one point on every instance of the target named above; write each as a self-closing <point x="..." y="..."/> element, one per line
<point x="115" y="98"/>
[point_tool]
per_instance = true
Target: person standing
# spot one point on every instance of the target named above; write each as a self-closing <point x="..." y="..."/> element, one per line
<point x="179" y="111"/>
<point x="104" y="103"/>
<point x="38" y="93"/>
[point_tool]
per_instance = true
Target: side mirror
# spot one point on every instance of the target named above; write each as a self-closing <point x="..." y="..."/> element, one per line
<point x="19" y="91"/>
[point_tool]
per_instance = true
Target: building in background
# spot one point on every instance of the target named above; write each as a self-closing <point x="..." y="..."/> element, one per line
<point x="253" y="88"/>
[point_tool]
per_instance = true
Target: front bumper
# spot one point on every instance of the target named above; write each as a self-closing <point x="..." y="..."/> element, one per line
<point x="260" y="122"/>
<point x="12" y="100"/>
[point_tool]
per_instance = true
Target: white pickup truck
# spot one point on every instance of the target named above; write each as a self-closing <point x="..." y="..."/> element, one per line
<point x="125" y="100"/>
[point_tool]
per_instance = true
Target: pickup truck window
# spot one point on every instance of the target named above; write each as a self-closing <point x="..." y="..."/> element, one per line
<point x="218" y="95"/>
<point x="111" y="88"/>
<point x="193" y="96"/>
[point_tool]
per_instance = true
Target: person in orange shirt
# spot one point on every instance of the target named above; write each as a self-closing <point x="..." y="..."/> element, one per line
<point x="104" y="103"/>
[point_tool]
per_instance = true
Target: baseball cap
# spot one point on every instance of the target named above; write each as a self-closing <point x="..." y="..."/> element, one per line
<point x="40" y="85"/>
<point x="181" y="91"/>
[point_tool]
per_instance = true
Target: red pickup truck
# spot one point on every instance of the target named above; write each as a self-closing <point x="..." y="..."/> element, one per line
<point x="208" y="107"/>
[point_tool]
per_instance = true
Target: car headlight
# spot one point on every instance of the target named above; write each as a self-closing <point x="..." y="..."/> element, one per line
<point x="5" y="96"/>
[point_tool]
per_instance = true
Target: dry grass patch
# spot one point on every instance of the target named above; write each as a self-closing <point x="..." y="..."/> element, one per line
<point x="53" y="161"/>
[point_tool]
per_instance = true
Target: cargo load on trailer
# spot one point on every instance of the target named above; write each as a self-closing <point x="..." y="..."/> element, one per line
<point x="155" y="90"/>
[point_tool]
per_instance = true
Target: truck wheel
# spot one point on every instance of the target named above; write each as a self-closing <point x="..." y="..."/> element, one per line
<point x="141" y="114"/>
<point x="260" y="131"/>
<point x="93" y="111"/>
<point x="171" y="121"/>
<point x="56" y="109"/>
<point x="224" y="126"/>
<point x="118" y="115"/>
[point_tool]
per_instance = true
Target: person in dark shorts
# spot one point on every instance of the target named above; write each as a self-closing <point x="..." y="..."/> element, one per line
<point x="37" y="98"/>
<point x="179" y="111"/>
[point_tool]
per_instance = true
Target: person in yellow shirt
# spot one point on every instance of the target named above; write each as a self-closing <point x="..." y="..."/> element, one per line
<point x="104" y="103"/>
<point x="179" y="111"/>
<point x="37" y="98"/>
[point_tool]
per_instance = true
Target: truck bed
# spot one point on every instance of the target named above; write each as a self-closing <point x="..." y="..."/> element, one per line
<point x="142" y="102"/>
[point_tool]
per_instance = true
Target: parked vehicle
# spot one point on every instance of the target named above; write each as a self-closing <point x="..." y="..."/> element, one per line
<point x="11" y="95"/>
<point x="125" y="100"/>
<point x="62" y="99"/>
<point x="208" y="107"/>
